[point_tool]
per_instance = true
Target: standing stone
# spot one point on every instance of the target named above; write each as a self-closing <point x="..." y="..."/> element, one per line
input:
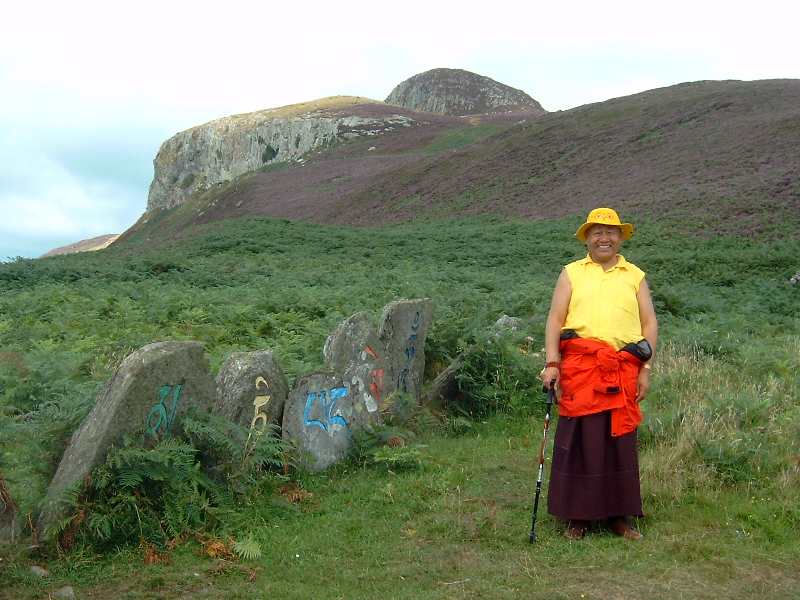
<point x="9" y="515"/>
<point x="251" y="390"/>
<point x="153" y="388"/>
<point x="317" y="419"/>
<point x="355" y="352"/>
<point x="404" y="327"/>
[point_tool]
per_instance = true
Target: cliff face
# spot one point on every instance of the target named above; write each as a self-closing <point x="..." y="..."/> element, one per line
<point x="226" y="148"/>
<point x="458" y="92"/>
<point x="222" y="150"/>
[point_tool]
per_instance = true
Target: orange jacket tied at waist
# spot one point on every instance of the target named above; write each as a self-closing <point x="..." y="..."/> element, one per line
<point x="595" y="377"/>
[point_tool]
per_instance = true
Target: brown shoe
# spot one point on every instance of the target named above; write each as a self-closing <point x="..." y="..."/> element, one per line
<point x="576" y="530"/>
<point x="620" y="526"/>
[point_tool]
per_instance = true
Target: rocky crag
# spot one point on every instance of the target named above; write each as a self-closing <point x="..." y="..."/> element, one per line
<point x="458" y="92"/>
<point x="222" y="150"/>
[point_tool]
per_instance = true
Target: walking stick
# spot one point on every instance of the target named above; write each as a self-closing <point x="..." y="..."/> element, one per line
<point x="551" y="397"/>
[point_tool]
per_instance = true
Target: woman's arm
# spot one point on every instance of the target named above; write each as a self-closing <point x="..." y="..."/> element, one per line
<point x="647" y="317"/>
<point x="555" y="321"/>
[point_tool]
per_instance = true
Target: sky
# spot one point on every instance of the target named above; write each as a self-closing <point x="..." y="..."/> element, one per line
<point x="89" y="90"/>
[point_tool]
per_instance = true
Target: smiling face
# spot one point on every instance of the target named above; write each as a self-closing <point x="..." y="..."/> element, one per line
<point x="603" y="242"/>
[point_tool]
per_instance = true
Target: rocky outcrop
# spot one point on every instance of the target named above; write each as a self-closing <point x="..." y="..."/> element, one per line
<point x="90" y="245"/>
<point x="222" y="150"/>
<point x="459" y="92"/>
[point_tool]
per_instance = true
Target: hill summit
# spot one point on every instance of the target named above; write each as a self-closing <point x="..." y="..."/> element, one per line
<point x="458" y="92"/>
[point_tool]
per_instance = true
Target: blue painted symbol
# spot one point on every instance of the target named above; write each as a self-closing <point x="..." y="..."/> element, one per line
<point x="402" y="379"/>
<point x="327" y="402"/>
<point x="415" y="323"/>
<point x="411" y="348"/>
<point x="160" y="418"/>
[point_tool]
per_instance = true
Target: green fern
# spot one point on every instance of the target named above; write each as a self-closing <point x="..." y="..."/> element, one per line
<point x="397" y="459"/>
<point x="190" y="482"/>
<point x="247" y="549"/>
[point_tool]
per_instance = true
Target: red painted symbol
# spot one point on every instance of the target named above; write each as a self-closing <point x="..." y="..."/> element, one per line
<point x="375" y="377"/>
<point x="376" y="384"/>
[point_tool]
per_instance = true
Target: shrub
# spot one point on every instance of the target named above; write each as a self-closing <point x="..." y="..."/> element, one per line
<point x="187" y="181"/>
<point x="497" y="377"/>
<point x="268" y="154"/>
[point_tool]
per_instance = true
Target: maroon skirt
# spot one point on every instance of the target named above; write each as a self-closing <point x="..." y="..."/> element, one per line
<point x="594" y="476"/>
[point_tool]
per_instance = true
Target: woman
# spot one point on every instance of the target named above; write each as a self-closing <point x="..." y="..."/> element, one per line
<point x="600" y="337"/>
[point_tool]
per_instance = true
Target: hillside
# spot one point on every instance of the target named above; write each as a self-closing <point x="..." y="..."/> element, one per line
<point x="90" y="245"/>
<point x="716" y="155"/>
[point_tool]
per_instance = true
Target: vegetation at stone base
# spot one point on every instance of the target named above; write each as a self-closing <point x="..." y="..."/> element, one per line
<point x="720" y="457"/>
<point x="188" y="482"/>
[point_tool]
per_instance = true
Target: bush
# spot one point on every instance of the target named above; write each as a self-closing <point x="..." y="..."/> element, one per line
<point x="268" y="154"/>
<point x="497" y="377"/>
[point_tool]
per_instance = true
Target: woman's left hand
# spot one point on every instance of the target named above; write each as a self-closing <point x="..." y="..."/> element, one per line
<point x="642" y="384"/>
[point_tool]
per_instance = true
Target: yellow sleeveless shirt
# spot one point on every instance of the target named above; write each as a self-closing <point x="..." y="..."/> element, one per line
<point x="603" y="304"/>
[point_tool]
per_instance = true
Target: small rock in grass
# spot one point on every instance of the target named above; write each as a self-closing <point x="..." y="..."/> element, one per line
<point x="507" y="323"/>
<point x="40" y="571"/>
<point x="64" y="593"/>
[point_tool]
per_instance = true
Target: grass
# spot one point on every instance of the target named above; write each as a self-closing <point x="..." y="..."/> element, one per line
<point x="464" y="136"/>
<point x="719" y="455"/>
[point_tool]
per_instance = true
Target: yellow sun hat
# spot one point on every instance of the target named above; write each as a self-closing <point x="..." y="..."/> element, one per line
<point x="604" y="216"/>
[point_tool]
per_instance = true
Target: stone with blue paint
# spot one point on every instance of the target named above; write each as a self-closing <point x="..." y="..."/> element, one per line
<point x="317" y="420"/>
<point x="354" y="351"/>
<point x="404" y="327"/>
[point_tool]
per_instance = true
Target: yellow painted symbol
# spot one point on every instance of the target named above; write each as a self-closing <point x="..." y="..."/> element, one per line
<point x="259" y="402"/>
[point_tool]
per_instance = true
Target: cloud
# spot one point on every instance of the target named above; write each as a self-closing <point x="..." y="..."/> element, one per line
<point x="47" y="204"/>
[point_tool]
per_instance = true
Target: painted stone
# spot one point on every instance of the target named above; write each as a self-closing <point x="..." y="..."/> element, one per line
<point x="316" y="420"/>
<point x="9" y="517"/>
<point x="153" y="388"/>
<point x="354" y="351"/>
<point x="404" y="327"/>
<point x="251" y="390"/>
